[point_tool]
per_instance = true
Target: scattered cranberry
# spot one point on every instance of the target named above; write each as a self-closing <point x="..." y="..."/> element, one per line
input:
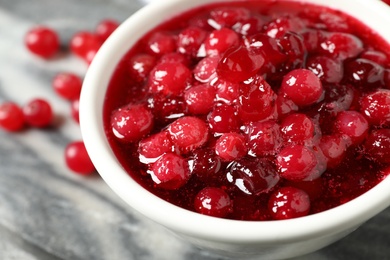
<point x="376" y="107"/>
<point x="288" y="203"/>
<point x="188" y="133"/>
<point x="11" y="117"/>
<point x="170" y="171"/>
<point x="42" y="41"/>
<point x="105" y="28"/>
<point x="131" y="122"/>
<point x="352" y="124"/>
<point x="74" y="110"/>
<point x="77" y="158"/>
<point x="38" y="113"/>
<point x="302" y="86"/>
<point x="231" y="146"/>
<point x="67" y="85"/>
<point x="213" y="202"/>
<point x="377" y="145"/>
<point x="85" y="42"/>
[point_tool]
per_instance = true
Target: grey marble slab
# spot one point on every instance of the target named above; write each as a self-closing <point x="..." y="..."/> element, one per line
<point x="46" y="212"/>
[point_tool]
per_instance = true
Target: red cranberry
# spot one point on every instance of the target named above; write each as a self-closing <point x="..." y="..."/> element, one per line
<point x="377" y="146"/>
<point x="288" y="203"/>
<point x="84" y="42"/>
<point x="311" y="39"/>
<point x="285" y="106"/>
<point x="220" y="40"/>
<point x="42" y="41"/>
<point x="131" y="122"/>
<point x="364" y="74"/>
<point x="188" y="133"/>
<point x="152" y="147"/>
<point x="175" y="57"/>
<point x="223" y="119"/>
<point x="105" y="28"/>
<point x="253" y="176"/>
<point x="190" y="40"/>
<point x="376" y="107"/>
<point x="200" y="99"/>
<point x="11" y="117"/>
<point x="170" y="171"/>
<point x="169" y="78"/>
<point x="74" y="110"/>
<point x="325" y="68"/>
<point x="249" y="26"/>
<point x="161" y="43"/>
<point x="302" y="86"/>
<point x="77" y="158"/>
<point x="314" y="188"/>
<point x="228" y="16"/>
<point x="297" y="163"/>
<point x="297" y="128"/>
<point x="167" y="108"/>
<point x="205" y="164"/>
<point x="264" y="138"/>
<point x="334" y="148"/>
<point x="227" y="92"/>
<point x="140" y="66"/>
<point x="337" y="98"/>
<point x="280" y="26"/>
<point x="38" y="113"/>
<point x="206" y="69"/>
<point x="352" y="124"/>
<point x="340" y="45"/>
<point x="213" y="202"/>
<point x="268" y="46"/>
<point x="231" y="146"/>
<point x="256" y="100"/>
<point x="293" y="46"/>
<point x="67" y="85"/>
<point x="239" y="64"/>
<point x="375" y="56"/>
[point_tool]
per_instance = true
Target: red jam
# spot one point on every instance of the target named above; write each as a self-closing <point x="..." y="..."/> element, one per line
<point x="254" y="110"/>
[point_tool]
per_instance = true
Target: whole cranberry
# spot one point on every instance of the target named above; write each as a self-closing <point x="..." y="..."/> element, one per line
<point x="77" y="158"/>
<point x="105" y="28"/>
<point x="38" y="113"/>
<point x="67" y="85"/>
<point x="11" y="117"/>
<point x="288" y="203"/>
<point x="376" y="107"/>
<point x="42" y="41"/>
<point x="377" y="146"/>
<point x="213" y="201"/>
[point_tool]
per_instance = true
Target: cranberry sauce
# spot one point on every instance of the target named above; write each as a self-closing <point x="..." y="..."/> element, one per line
<point x="254" y="110"/>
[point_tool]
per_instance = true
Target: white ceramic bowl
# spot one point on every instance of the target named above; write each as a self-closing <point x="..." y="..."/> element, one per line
<point x="268" y="239"/>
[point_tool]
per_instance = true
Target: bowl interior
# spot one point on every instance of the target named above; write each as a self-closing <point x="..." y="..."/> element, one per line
<point x="372" y="13"/>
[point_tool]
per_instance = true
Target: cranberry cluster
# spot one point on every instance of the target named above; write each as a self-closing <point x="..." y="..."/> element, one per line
<point x="44" y="42"/>
<point x="254" y="114"/>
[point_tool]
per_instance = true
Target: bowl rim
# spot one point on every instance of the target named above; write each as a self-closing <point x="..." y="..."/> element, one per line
<point x="346" y="216"/>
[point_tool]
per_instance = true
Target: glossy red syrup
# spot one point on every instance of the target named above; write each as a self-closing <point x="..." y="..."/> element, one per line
<point x="254" y="110"/>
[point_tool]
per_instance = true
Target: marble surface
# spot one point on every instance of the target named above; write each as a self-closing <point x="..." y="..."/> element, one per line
<point x="46" y="211"/>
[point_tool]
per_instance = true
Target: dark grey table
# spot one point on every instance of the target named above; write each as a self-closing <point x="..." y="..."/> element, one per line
<point x="47" y="212"/>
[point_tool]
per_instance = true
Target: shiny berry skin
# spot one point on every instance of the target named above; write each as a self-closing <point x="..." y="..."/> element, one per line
<point x="253" y="176"/>
<point x="223" y="119"/>
<point x="131" y="122"/>
<point x="11" y="117"/>
<point x="297" y="163"/>
<point x="38" y="113"/>
<point x="239" y="64"/>
<point x="375" y="56"/>
<point x="75" y="110"/>
<point x="256" y="100"/>
<point x="200" y="99"/>
<point x="269" y="47"/>
<point x="213" y="202"/>
<point x="42" y="41"/>
<point x="377" y="146"/>
<point x="334" y="148"/>
<point x="169" y="78"/>
<point x="167" y="108"/>
<point x="288" y="203"/>
<point x="340" y="45"/>
<point x="205" y="164"/>
<point x="170" y="171"/>
<point x="297" y="128"/>
<point x="140" y="66"/>
<point x="105" y="28"/>
<point x="190" y="39"/>
<point x="280" y="26"/>
<point x="220" y="40"/>
<point x="154" y="146"/>
<point x="188" y="133"/>
<point x="325" y="68"/>
<point x="205" y="70"/>
<point x="231" y="146"/>
<point x="84" y="42"/>
<point x="228" y="16"/>
<point x="364" y="74"/>
<point x="293" y="46"/>
<point x="67" y="85"/>
<point x="353" y="125"/>
<point x="264" y="138"/>
<point x="227" y="92"/>
<point x="161" y="43"/>
<point x="376" y="107"/>
<point x="302" y="86"/>
<point x="77" y="158"/>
